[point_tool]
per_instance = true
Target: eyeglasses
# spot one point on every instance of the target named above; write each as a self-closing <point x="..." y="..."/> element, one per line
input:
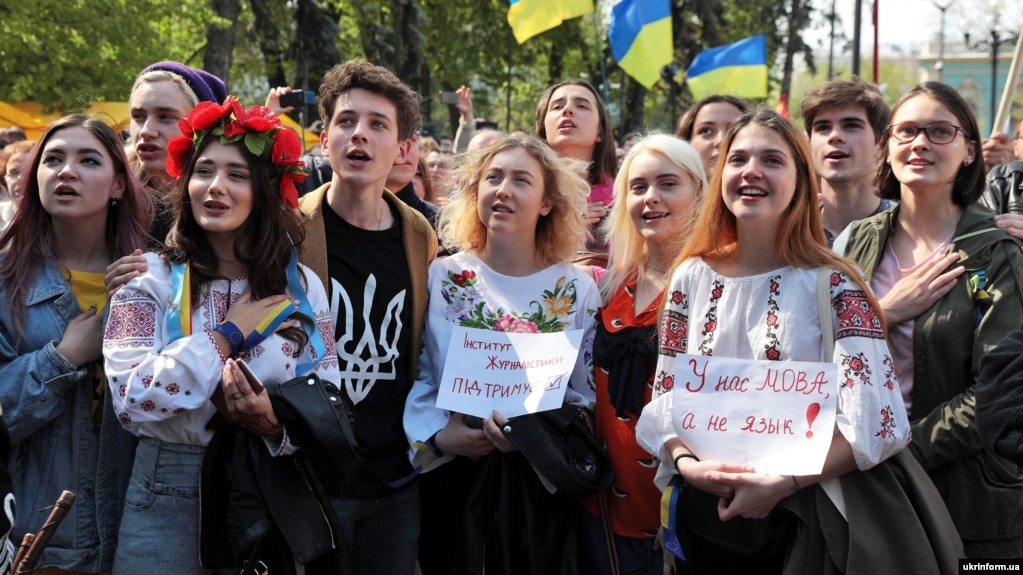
<point x="940" y="133"/>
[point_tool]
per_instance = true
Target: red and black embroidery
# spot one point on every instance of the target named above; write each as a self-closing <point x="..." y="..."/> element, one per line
<point x="856" y="369"/>
<point x="678" y="298"/>
<point x="710" y="323"/>
<point x="220" y="302"/>
<point x="771" y="348"/>
<point x="674" y="329"/>
<point x="890" y="378"/>
<point x="856" y="318"/>
<point x="132" y="322"/>
<point x="887" y="423"/>
<point x="663" y="383"/>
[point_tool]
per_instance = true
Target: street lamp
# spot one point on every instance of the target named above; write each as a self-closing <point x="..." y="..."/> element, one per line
<point x="994" y="43"/>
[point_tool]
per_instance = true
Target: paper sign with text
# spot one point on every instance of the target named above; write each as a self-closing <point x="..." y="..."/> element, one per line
<point x="777" y="416"/>
<point x="514" y="373"/>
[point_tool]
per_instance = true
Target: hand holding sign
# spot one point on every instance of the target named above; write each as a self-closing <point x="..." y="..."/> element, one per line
<point x="755" y="494"/>
<point x="759" y="413"/>
<point x="513" y="373"/>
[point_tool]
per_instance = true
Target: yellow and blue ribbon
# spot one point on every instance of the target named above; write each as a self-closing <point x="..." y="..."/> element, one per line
<point x="179" y="314"/>
<point x="669" y="516"/>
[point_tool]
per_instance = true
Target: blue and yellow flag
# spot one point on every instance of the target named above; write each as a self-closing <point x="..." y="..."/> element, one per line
<point x="739" y="69"/>
<point x="528" y="18"/>
<point x="640" y="37"/>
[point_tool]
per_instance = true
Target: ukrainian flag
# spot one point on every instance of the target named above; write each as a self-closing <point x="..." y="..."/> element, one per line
<point x="739" y="69"/>
<point x="640" y="38"/>
<point x="528" y="18"/>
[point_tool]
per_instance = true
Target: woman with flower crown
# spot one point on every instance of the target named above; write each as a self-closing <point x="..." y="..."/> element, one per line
<point x="515" y="219"/>
<point x="226" y="289"/>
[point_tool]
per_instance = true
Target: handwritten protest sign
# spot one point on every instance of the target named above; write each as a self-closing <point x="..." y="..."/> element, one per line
<point x="514" y="373"/>
<point x="777" y="416"/>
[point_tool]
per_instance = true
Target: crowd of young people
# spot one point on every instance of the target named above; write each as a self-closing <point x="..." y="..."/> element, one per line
<point x="159" y="357"/>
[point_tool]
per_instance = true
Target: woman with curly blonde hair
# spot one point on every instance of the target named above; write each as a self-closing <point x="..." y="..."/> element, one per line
<point x="515" y="219"/>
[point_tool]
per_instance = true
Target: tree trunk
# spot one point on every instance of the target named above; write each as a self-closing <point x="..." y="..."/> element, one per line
<point x="632" y="116"/>
<point x="220" y="41"/>
<point x="797" y="16"/>
<point x="314" y="49"/>
<point x="268" y="36"/>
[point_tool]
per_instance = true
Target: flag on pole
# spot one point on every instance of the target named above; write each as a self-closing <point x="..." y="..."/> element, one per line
<point x="528" y="18"/>
<point x="739" y="69"/>
<point x="640" y="37"/>
<point x="783" y="105"/>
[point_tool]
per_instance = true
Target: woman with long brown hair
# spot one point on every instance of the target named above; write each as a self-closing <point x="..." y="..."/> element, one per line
<point x="82" y="207"/>
<point x="226" y="289"/>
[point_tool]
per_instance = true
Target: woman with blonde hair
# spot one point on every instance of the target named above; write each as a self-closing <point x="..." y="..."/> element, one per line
<point x="752" y="283"/>
<point x="514" y="218"/>
<point x="656" y="195"/>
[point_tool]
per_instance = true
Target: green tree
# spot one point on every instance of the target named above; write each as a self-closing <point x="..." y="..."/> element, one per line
<point x="69" y="53"/>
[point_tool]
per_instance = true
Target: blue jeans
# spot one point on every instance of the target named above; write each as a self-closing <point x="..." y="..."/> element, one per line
<point x="635" y="556"/>
<point x="160" y="526"/>
<point x="383" y="534"/>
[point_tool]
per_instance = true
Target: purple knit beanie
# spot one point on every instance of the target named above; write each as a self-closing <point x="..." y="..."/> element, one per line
<point x="206" y="86"/>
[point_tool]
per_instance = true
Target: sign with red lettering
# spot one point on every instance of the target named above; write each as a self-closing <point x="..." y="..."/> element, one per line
<point x="514" y="373"/>
<point x="777" y="416"/>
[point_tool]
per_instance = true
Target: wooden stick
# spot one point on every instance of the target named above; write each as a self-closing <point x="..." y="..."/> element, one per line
<point x="60" y="509"/>
<point x="1009" y="92"/>
<point x="26" y="543"/>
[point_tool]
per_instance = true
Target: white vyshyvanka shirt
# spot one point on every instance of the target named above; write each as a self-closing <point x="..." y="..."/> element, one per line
<point x="162" y="388"/>
<point x="774" y="316"/>
<point x="464" y="291"/>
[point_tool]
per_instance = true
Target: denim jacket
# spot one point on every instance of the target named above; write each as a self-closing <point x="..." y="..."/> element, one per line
<point x="55" y="444"/>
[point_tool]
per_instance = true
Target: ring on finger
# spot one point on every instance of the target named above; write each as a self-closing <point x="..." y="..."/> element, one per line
<point x="235" y="396"/>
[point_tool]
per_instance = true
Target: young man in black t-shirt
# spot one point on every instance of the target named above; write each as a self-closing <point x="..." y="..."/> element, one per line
<point x="372" y="253"/>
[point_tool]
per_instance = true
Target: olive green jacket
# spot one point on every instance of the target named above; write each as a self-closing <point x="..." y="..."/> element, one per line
<point x="983" y="491"/>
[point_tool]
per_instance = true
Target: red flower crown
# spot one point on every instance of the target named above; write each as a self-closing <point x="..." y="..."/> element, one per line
<point x="258" y="128"/>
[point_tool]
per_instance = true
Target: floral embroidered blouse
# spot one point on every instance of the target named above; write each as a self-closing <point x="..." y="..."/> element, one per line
<point x="465" y="292"/>
<point x="162" y="388"/>
<point x="774" y="316"/>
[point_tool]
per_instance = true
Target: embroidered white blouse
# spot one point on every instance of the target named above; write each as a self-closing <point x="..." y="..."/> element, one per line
<point x="464" y="291"/>
<point x="162" y="388"/>
<point x="774" y="316"/>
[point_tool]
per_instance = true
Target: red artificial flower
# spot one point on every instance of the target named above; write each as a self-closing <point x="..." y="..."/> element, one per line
<point x="177" y="155"/>
<point x="256" y="118"/>
<point x="232" y="129"/>
<point x="289" y="193"/>
<point x="205" y="115"/>
<point x="185" y="127"/>
<point x="287" y="150"/>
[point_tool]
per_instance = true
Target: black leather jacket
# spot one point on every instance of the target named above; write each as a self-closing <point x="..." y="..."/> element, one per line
<point x="1004" y="191"/>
